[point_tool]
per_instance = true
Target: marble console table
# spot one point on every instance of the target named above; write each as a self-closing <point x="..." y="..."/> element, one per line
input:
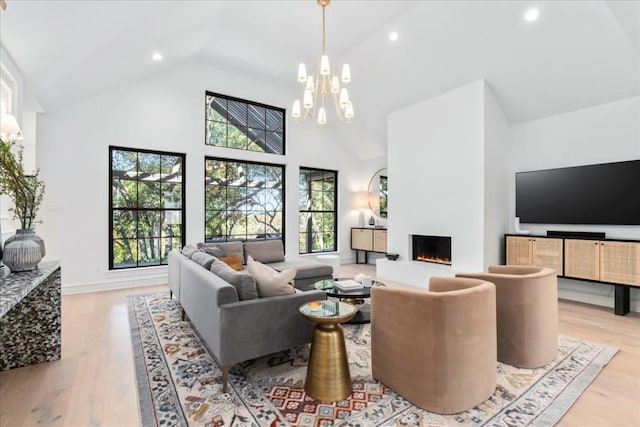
<point x="30" y="317"/>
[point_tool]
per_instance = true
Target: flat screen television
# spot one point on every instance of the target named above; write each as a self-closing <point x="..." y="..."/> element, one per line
<point x="606" y="193"/>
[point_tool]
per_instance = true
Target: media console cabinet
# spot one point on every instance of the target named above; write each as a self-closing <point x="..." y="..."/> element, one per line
<point x="608" y="261"/>
<point x="368" y="240"/>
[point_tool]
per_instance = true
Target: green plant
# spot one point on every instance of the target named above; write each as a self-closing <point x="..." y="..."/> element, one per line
<point x="26" y="191"/>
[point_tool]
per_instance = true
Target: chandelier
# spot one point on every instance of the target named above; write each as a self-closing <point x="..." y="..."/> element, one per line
<point x="317" y="86"/>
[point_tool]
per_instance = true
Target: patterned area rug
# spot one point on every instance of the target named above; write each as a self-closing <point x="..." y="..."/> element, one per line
<point x="179" y="383"/>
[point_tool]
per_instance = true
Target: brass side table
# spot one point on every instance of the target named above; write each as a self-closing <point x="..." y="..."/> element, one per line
<point x="328" y="377"/>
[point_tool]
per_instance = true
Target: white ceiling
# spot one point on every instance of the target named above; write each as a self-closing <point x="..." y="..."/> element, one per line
<point x="578" y="54"/>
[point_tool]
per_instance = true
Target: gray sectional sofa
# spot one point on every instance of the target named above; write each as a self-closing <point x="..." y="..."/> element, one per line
<point x="235" y="323"/>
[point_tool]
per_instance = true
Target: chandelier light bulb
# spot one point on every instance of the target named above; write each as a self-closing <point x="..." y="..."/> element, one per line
<point x="307" y="101"/>
<point x="344" y="97"/>
<point x="310" y="86"/>
<point x="346" y="73"/>
<point x="348" y="111"/>
<point x="325" y="69"/>
<point x="302" y="73"/>
<point x="322" y="116"/>
<point x="295" y="111"/>
<point x="335" y="85"/>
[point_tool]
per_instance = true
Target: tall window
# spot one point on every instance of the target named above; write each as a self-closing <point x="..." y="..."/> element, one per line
<point x="243" y="200"/>
<point x="318" y="223"/>
<point x="244" y="125"/>
<point x="146" y="206"/>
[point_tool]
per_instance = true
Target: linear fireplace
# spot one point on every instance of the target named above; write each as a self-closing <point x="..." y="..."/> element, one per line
<point x="435" y="249"/>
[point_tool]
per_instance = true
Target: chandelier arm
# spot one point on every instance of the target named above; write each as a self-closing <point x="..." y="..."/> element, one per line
<point x="323" y="29"/>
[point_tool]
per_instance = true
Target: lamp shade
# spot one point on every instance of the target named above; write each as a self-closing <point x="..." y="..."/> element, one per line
<point x="361" y="199"/>
<point x="9" y="127"/>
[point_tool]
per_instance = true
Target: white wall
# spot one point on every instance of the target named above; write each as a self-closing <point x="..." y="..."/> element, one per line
<point x="164" y="112"/>
<point x="600" y="134"/>
<point x="436" y="165"/>
<point x="496" y="178"/>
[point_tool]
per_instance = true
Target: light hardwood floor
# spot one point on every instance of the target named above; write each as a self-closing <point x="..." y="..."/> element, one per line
<point x="94" y="383"/>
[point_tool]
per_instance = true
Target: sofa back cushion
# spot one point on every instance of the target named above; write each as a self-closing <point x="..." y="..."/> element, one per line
<point x="265" y="251"/>
<point x="202" y="258"/>
<point x="229" y="248"/>
<point x="215" y="251"/>
<point x="243" y="282"/>
<point x="188" y="250"/>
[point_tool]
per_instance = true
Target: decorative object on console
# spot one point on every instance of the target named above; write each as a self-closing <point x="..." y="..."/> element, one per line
<point x="361" y="202"/>
<point x="392" y="256"/>
<point x="372" y="221"/>
<point x="321" y="83"/>
<point x="516" y="224"/>
<point x="26" y="193"/>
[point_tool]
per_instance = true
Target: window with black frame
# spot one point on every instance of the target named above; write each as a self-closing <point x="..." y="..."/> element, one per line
<point x="244" y="125"/>
<point x="146" y="206"/>
<point x="318" y="220"/>
<point x="384" y="196"/>
<point x="243" y="200"/>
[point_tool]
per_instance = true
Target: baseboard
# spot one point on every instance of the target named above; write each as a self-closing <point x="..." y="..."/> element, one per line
<point x="601" y="300"/>
<point x="109" y="285"/>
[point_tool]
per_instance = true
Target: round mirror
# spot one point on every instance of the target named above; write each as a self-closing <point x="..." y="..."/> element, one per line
<point x="378" y="199"/>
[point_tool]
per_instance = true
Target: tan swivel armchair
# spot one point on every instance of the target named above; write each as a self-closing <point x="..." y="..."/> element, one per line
<point x="527" y="313"/>
<point x="436" y="348"/>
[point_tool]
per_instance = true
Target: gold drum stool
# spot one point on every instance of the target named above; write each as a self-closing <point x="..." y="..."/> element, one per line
<point x="328" y="377"/>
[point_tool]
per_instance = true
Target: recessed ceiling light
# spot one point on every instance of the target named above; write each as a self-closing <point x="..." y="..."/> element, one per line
<point x="157" y="57"/>
<point x="393" y="36"/>
<point x="532" y="14"/>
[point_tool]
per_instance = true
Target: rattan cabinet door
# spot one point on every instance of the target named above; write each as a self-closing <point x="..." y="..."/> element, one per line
<point x="547" y="253"/>
<point x="362" y="239"/>
<point x="582" y="259"/>
<point x="380" y="240"/>
<point x="620" y="262"/>
<point x="518" y="250"/>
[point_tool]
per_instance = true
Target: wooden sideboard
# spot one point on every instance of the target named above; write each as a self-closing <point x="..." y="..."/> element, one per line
<point x="608" y="261"/>
<point x="368" y="240"/>
<point x="30" y="317"/>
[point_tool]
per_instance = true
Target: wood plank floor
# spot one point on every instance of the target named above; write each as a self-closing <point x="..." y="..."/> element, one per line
<point x="94" y="383"/>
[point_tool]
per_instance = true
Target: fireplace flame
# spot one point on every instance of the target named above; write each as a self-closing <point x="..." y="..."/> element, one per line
<point x="437" y="260"/>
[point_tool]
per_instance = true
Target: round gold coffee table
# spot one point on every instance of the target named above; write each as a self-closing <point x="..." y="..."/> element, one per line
<point x="328" y="377"/>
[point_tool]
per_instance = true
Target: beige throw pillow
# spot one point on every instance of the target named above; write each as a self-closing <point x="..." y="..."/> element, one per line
<point x="270" y="282"/>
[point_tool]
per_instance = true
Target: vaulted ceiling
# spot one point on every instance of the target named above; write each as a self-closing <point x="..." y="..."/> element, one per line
<point x="577" y="54"/>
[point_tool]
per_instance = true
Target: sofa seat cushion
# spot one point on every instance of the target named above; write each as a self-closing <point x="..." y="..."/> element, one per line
<point x="244" y="282"/>
<point x="305" y="269"/>
<point x="265" y="251"/>
<point x="270" y="282"/>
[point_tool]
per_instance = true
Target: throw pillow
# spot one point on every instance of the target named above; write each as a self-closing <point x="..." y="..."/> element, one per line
<point x="244" y="282"/>
<point x="232" y="261"/>
<point x="215" y="251"/>
<point x="265" y="250"/>
<point x="188" y="250"/>
<point x="229" y="248"/>
<point x="270" y="282"/>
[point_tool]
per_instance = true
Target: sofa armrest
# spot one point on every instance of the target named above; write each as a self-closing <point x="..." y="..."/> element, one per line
<point x="254" y="328"/>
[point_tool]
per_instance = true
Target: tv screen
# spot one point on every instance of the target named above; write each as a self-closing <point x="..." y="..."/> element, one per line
<point x="607" y="193"/>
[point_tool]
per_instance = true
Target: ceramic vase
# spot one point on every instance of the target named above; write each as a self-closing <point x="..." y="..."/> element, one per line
<point x="22" y="252"/>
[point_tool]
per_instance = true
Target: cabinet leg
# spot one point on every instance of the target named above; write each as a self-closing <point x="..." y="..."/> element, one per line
<point x="366" y="261"/>
<point x="622" y="300"/>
